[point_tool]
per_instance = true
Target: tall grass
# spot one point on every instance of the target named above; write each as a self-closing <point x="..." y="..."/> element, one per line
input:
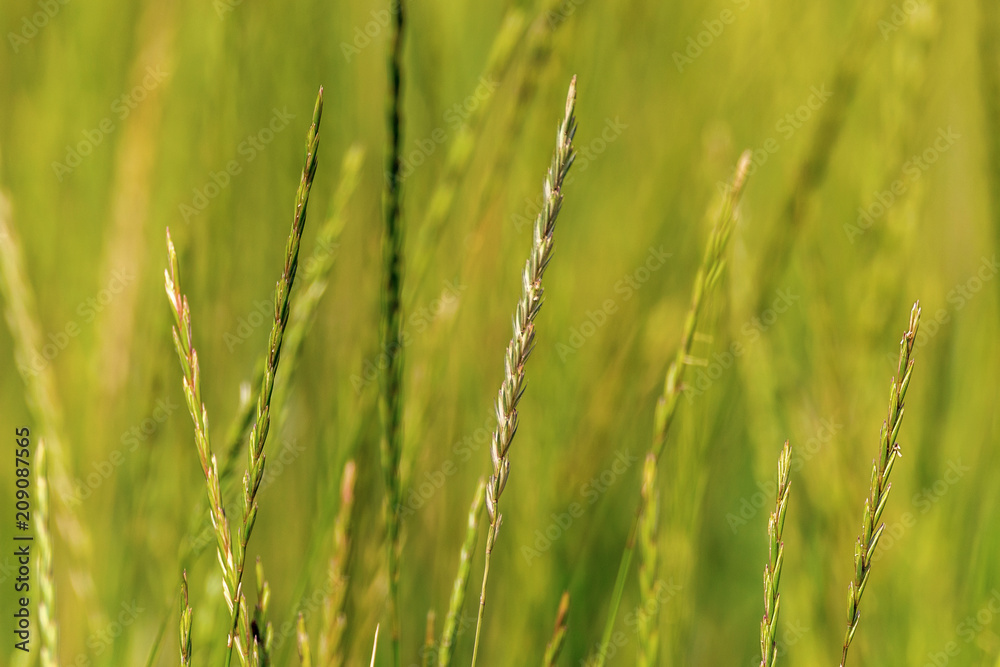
<point x="878" y="494"/>
<point x="709" y="272"/>
<point x="232" y="553"/>
<point x="523" y="340"/>
<point x="391" y="319"/>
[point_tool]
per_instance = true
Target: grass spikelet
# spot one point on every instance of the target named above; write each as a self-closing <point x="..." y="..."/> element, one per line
<point x="554" y="647"/>
<point x="871" y="531"/>
<point x="185" y="627"/>
<point x="649" y="571"/>
<point x="188" y="355"/>
<point x="302" y="641"/>
<point x="523" y="339"/>
<point x="429" y="650"/>
<point x="450" y="632"/>
<point x="49" y="654"/>
<point x="391" y="318"/>
<point x="331" y="650"/>
<point x="711" y="268"/>
<point x="772" y="571"/>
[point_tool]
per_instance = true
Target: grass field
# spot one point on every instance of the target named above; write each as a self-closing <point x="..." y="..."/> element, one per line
<point x="873" y="180"/>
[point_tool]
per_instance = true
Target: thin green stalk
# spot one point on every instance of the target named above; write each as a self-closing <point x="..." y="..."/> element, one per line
<point x="555" y="645"/>
<point x="776" y="556"/>
<point x="258" y="434"/>
<point x="712" y="265"/>
<point x="391" y="320"/>
<point x="49" y="656"/>
<point x="649" y="571"/>
<point x="331" y="650"/>
<point x="188" y="356"/>
<point x="864" y="547"/>
<point x="450" y="632"/>
<point x="523" y="339"/>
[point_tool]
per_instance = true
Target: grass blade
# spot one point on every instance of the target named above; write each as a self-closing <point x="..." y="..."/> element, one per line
<point x="457" y="602"/>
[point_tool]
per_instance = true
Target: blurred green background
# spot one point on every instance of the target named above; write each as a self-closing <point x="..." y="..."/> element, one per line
<point x="876" y="181"/>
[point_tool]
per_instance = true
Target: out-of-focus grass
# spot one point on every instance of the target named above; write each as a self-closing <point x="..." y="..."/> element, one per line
<point x="655" y="143"/>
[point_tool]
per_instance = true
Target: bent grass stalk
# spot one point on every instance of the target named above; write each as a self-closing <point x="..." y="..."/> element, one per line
<point x="712" y="265"/>
<point x="450" y="631"/>
<point x="523" y="339"/>
<point x="878" y="494"/>
<point x="391" y="319"/>
<point x="776" y="556"/>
